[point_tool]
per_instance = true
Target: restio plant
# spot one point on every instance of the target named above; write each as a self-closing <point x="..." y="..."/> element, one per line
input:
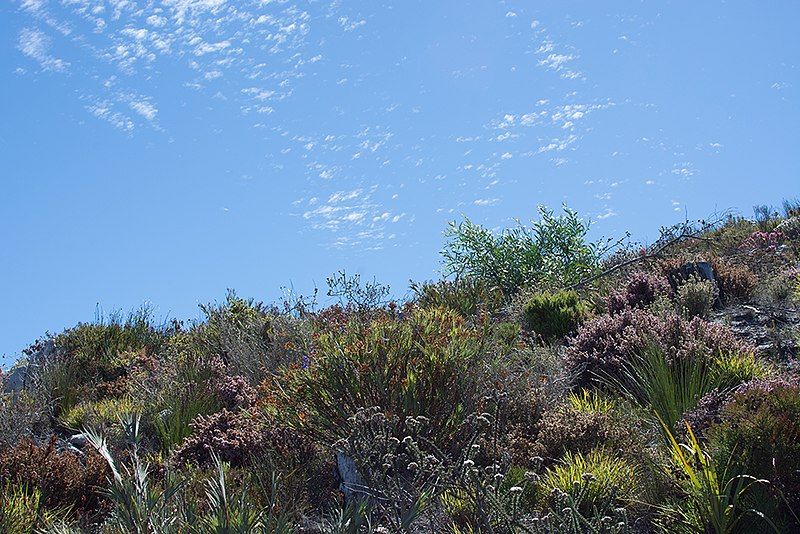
<point x="554" y="315"/>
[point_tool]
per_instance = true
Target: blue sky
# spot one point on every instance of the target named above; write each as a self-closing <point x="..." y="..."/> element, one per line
<point x="164" y="151"/>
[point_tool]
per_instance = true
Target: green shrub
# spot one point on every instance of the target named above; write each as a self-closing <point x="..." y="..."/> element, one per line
<point x="597" y="475"/>
<point x="669" y="386"/>
<point x="554" y="315"/>
<point x="714" y="497"/>
<point x="506" y="335"/>
<point x="695" y="297"/>
<point x="780" y="288"/>
<point x="179" y="387"/>
<point x="250" y="339"/>
<point x="19" y="508"/>
<point x="103" y="350"/>
<point x="731" y="370"/>
<point x="553" y="251"/>
<point x="99" y="413"/>
<point x="424" y="364"/>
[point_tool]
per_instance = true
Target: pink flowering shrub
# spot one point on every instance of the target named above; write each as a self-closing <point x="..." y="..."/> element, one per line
<point x="768" y="241"/>
<point x="233" y="436"/>
<point x="239" y="438"/>
<point x="235" y="393"/>
<point x="604" y="345"/>
<point x="641" y="290"/>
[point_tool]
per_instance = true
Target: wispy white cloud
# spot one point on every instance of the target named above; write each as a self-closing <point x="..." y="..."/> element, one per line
<point x="145" y="109"/>
<point x="36" y="45"/>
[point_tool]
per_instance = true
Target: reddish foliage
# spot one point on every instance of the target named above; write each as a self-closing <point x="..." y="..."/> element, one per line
<point x="642" y="289"/>
<point x="64" y="478"/>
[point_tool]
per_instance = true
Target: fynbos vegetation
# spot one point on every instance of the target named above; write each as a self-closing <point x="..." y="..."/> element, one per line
<point x="548" y="384"/>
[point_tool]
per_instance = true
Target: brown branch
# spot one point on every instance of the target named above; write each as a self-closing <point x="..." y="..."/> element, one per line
<point x="656" y="254"/>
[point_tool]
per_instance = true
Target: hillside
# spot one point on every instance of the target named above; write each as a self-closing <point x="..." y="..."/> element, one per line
<point x="547" y="384"/>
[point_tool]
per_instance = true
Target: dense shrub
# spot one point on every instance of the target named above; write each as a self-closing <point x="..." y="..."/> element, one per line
<point x="762" y="241"/>
<point x="180" y="386"/>
<point x="604" y="344"/>
<point x="760" y="430"/>
<point x="97" y="414"/>
<point x="553" y="315"/>
<point x="467" y="296"/>
<point x="234" y="437"/>
<point x="730" y="370"/>
<point x="103" y="351"/>
<point x="423" y="364"/>
<point x="554" y="251"/>
<point x="642" y="289"/>
<point x="251" y="339"/>
<point x="234" y="392"/>
<point x="696" y="298"/>
<point x="64" y="478"/>
<point x="568" y="430"/>
<point x="22" y="414"/>
<point x="780" y="287"/>
<point x="736" y="282"/>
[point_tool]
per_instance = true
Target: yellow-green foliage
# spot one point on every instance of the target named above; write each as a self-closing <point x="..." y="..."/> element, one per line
<point x="99" y="413"/>
<point x="554" y="315"/>
<point x="733" y="369"/>
<point x="593" y="478"/>
<point x="591" y="401"/>
<point x="19" y="508"/>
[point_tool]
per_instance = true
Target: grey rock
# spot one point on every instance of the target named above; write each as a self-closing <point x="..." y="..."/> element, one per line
<point x="14" y="381"/>
<point x="18" y="377"/>
<point x="78" y="441"/>
<point x="352" y="483"/>
<point x="761" y="327"/>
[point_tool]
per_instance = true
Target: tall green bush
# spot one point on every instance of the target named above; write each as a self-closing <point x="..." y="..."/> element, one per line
<point x="554" y="251"/>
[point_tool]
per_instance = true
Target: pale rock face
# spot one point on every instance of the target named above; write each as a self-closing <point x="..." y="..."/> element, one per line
<point x="16" y="379"/>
